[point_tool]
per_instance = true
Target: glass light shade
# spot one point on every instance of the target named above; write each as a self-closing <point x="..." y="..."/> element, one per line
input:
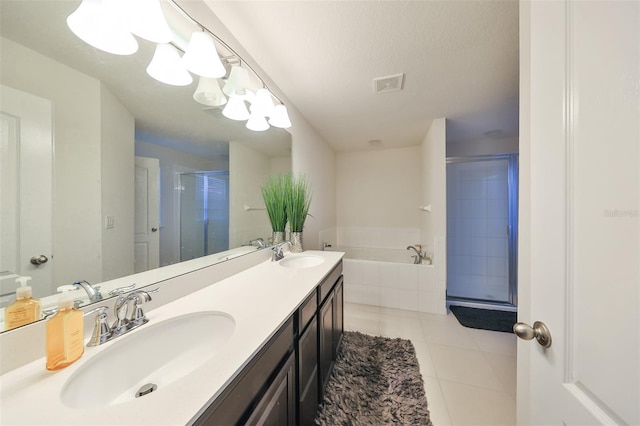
<point x="145" y="19"/>
<point x="202" y="57"/>
<point x="280" y="117"/>
<point x="263" y="103"/>
<point x="97" y="23"/>
<point x="209" y="93"/>
<point x="257" y="122"/>
<point x="167" y="68"/>
<point x="237" y="83"/>
<point x="236" y="110"/>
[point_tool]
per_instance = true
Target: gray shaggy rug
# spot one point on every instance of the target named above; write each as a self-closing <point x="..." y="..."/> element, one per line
<point x="375" y="381"/>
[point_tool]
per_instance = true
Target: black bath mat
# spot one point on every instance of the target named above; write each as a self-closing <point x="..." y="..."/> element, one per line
<point x="375" y="381"/>
<point x="485" y="319"/>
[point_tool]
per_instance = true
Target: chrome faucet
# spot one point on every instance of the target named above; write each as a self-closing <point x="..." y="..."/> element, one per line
<point x="103" y="332"/>
<point x="417" y="259"/>
<point x="122" y="324"/>
<point x="93" y="292"/>
<point x="259" y="242"/>
<point x="278" y="253"/>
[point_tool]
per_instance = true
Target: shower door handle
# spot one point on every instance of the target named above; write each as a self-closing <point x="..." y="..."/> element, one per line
<point x="539" y="331"/>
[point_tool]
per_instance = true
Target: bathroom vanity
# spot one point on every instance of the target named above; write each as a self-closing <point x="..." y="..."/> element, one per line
<point x="274" y="335"/>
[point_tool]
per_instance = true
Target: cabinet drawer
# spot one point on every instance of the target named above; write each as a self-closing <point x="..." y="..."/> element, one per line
<point x="231" y="406"/>
<point x="327" y="284"/>
<point x="307" y="311"/>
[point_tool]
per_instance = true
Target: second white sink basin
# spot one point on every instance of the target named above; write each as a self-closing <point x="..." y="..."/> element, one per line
<point x="301" y="261"/>
<point x="154" y="357"/>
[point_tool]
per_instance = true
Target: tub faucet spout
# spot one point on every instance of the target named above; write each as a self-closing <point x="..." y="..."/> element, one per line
<point x="417" y="259"/>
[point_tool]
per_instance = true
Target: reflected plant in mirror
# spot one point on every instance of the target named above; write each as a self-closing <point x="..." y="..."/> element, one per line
<point x="274" y="192"/>
<point x="132" y="174"/>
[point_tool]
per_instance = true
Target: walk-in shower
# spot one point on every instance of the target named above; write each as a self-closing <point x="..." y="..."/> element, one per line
<point x="204" y="213"/>
<point x="482" y="224"/>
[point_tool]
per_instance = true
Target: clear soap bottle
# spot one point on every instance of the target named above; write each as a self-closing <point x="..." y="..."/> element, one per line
<point x="65" y="334"/>
<point x="24" y="310"/>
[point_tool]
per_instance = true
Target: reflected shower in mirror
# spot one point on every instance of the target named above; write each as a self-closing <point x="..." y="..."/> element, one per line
<point x="127" y="174"/>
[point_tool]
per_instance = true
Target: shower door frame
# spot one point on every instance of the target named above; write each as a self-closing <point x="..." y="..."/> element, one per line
<point x="512" y="229"/>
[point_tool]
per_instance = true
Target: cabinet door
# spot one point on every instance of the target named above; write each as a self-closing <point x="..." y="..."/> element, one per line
<point x="277" y="406"/>
<point x="338" y="317"/>
<point x="308" y="374"/>
<point x="326" y="340"/>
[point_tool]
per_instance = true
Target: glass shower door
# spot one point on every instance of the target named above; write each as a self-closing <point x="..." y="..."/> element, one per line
<point x="481" y="215"/>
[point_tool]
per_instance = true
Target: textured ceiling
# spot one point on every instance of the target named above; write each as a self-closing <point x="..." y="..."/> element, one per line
<point x="460" y="60"/>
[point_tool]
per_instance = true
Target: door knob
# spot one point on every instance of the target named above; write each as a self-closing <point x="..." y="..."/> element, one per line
<point x="39" y="260"/>
<point x="154" y="229"/>
<point x="539" y="331"/>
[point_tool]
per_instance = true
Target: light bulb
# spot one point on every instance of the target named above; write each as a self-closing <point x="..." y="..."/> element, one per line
<point x="202" y="57"/>
<point x="280" y="117"/>
<point x="209" y="93"/>
<point x="236" y="110"/>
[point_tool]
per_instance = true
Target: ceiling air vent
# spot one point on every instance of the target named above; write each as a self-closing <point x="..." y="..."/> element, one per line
<point x="391" y="83"/>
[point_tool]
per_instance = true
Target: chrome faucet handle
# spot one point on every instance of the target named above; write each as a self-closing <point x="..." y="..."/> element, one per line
<point x="101" y="330"/>
<point x="121" y="290"/>
<point x="93" y="292"/>
<point x="278" y="253"/>
<point x="140" y="297"/>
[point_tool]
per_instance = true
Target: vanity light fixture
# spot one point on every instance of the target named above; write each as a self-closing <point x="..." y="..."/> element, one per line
<point x="209" y="93"/>
<point x="237" y="83"/>
<point x="145" y="19"/>
<point x="263" y="103"/>
<point x="167" y="67"/>
<point x="202" y="58"/>
<point x="236" y="109"/>
<point x="280" y="117"/>
<point x="257" y="122"/>
<point x="109" y="25"/>
<point x="98" y="23"/>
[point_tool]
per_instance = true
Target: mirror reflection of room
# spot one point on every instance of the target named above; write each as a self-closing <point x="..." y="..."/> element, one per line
<point x="127" y="174"/>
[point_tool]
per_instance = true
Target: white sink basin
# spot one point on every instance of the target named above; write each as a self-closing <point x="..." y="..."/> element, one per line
<point x="158" y="354"/>
<point x="301" y="261"/>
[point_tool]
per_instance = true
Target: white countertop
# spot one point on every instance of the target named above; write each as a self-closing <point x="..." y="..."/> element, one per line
<point x="260" y="299"/>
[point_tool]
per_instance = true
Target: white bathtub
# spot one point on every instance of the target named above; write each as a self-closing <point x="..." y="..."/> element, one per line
<point x="388" y="278"/>
<point x="379" y="254"/>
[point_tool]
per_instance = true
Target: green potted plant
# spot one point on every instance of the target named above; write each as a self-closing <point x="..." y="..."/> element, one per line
<point x="298" y="201"/>
<point x="274" y="193"/>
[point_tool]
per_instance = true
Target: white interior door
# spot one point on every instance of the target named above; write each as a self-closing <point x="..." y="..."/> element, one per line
<point x="580" y="193"/>
<point x="26" y="175"/>
<point x="147" y="214"/>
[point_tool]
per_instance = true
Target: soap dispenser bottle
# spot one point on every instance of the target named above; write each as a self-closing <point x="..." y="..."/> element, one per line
<point x="25" y="309"/>
<point x="65" y="334"/>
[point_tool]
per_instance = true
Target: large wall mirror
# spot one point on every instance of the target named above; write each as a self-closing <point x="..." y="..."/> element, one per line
<point x="126" y="174"/>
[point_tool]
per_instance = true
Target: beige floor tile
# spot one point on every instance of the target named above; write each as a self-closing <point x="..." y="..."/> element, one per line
<point x="406" y="328"/>
<point x="447" y="333"/>
<point x="438" y="411"/>
<point x="357" y="307"/>
<point x="427" y="369"/>
<point x="399" y="313"/>
<point x="464" y="366"/>
<point x="495" y="341"/>
<point x="505" y="367"/>
<point x="470" y="405"/>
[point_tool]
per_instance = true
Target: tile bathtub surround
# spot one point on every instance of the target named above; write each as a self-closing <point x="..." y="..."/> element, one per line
<point x="469" y="375"/>
<point x="393" y="285"/>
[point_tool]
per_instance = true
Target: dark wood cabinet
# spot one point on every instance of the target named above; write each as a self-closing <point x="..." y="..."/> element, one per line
<point x="308" y="373"/>
<point x="283" y="384"/>
<point x="338" y="316"/>
<point x="278" y="405"/>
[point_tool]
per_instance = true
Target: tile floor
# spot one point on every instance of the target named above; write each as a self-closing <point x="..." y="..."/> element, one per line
<point x="469" y="375"/>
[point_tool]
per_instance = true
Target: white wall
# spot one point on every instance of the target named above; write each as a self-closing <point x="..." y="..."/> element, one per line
<point x="377" y="197"/>
<point x="248" y="171"/>
<point x="173" y="162"/>
<point x="434" y="224"/>
<point x="77" y="206"/>
<point x="117" y="134"/>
